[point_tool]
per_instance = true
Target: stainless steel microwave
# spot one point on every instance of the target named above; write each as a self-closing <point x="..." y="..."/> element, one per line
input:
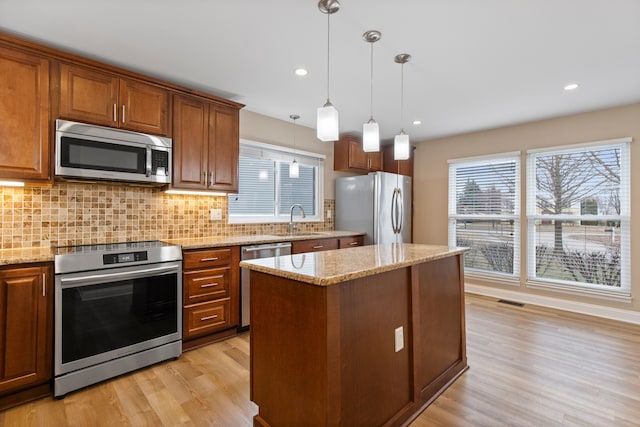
<point x="93" y="152"/>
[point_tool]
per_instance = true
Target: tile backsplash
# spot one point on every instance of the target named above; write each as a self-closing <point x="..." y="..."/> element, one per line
<point x="79" y="213"/>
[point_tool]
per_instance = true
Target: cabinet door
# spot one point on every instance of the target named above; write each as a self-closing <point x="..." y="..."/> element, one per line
<point x="374" y="161"/>
<point x="223" y="148"/>
<point x="88" y="95"/>
<point x="24" y="116"/>
<point x="357" y="157"/>
<point x="143" y="107"/>
<point x="25" y="325"/>
<point x="402" y="167"/>
<point x="190" y="142"/>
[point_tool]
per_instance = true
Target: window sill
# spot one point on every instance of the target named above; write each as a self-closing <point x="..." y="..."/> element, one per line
<point x="603" y="294"/>
<point x="271" y="220"/>
<point x="502" y="279"/>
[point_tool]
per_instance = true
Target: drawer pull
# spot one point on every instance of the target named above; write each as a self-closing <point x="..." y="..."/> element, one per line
<point x="199" y="279"/>
<point x="209" y="259"/>
<point x="318" y="247"/>
<point x="354" y="243"/>
<point x="202" y="319"/>
<point x="209" y="285"/>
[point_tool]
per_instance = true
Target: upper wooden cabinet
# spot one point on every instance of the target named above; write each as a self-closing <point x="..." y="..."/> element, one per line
<point x="205" y="145"/>
<point x="402" y="167"/>
<point x="26" y="328"/>
<point x="24" y="116"/>
<point x="349" y="156"/>
<point x="102" y="98"/>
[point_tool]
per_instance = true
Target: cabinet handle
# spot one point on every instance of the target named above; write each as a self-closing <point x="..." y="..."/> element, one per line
<point x="115" y="112"/>
<point x="209" y="285"/>
<point x="209" y="259"/>
<point x="318" y="247"/>
<point x="354" y="243"/>
<point x="204" y="175"/>
<point x="202" y="319"/>
<point x="369" y="163"/>
<point x="211" y="178"/>
<point x="44" y="284"/>
<point x="198" y="279"/>
<point x="123" y="107"/>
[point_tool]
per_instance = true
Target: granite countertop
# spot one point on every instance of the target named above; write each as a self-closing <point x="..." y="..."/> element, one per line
<point x="336" y="266"/>
<point x="45" y="254"/>
<point x="255" y="239"/>
<point x="25" y="255"/>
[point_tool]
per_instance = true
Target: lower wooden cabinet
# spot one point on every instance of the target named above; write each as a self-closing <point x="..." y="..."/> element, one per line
<point x="211" y="296"/>
<point x="26" y="333"/>
<point x="350" y="242"/>
<point x="315" y="245"/>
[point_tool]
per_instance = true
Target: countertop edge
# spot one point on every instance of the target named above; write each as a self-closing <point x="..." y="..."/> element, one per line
<point x="355" y="274"/>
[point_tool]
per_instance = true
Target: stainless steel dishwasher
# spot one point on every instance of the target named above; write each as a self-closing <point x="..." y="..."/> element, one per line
<point x="254" y="252"/>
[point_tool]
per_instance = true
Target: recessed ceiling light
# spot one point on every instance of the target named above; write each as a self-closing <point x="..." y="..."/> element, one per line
<point x="572" y="86"/>
<point x="301" y="72"/>
<point x="417" y="122"/>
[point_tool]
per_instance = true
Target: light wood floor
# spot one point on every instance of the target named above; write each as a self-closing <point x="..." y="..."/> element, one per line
<point x="528" y="367"/>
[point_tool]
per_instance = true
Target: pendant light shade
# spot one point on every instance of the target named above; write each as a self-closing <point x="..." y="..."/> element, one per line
<point x="401" y="146"/>
<point x="371" y="130"/>
<point x="401" y="141"/>
<point x="370" y="136"/>
<point x="328" y="121"/>
<point x="294" y="167"/>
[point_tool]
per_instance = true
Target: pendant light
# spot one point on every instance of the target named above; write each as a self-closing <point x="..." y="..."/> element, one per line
<point x="371" y="130"/>
<point x="294" y="168"/>
<point x="327" y="123"/>
<point x="401" y="141"/>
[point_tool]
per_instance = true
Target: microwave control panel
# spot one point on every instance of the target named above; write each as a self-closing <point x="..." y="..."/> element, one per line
<point x="159" y="162"/>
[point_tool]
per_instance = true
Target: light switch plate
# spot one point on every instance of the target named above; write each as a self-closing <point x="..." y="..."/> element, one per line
<point x="215" y="214"/>
<point x="399" y="338"/>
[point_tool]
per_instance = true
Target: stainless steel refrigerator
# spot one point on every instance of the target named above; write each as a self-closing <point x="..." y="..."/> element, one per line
<point x="378" y="203"/>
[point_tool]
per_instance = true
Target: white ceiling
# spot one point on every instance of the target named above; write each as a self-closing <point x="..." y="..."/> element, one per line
<point x="476" y="64"/>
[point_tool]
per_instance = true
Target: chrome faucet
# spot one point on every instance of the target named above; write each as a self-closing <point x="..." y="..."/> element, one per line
<point x="292" y="226"/>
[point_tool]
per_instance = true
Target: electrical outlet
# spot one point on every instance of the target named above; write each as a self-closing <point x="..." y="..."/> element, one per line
<point x="399" y="338"/>
<point x="215" y="214"/>
<point x="329" y="213"/>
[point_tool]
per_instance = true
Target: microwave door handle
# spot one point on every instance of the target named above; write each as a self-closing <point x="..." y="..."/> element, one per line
<point x="72" y="282"/>
<point x="148" y="161"/>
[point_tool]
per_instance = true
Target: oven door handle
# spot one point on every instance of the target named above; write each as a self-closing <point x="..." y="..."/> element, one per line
<point x="108" y="276"/>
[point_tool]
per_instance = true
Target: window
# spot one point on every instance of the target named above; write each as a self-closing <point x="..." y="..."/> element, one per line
<point x="265" y="191"/>
<point x="484" y="212"/>
<point x="578" y="216"/>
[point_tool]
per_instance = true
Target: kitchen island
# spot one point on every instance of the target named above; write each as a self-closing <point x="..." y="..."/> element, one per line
<point x="362" y="336"/>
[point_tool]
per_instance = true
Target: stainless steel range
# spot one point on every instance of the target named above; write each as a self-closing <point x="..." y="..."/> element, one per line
<point x="118" y="307"/>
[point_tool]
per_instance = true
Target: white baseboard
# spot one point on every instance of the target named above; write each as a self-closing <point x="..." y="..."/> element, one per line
<point x="560" y="304"/>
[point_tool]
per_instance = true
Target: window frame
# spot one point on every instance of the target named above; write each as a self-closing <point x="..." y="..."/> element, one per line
<point x="531" y="216"/>
<point x="282" y="154"/>
<point x="454" y="217"/>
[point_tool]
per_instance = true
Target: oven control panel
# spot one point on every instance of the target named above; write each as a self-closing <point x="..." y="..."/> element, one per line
<point x="125" y="257"/>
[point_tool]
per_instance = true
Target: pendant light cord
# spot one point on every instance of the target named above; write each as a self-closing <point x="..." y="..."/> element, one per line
<point x="371" y="98"/>
<point x="328" y="50"/>
<point x="402" y="97"/>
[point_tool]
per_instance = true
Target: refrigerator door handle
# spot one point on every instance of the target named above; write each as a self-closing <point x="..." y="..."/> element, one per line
<point x="393" y="211"/>
<point x="400" y="210"/>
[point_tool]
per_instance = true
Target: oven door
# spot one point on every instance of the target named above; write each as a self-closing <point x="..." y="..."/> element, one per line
<point x="106" y="314"/>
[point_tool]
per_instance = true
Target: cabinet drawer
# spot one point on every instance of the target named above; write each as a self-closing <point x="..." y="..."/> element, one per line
<point x="349" y="242"/>
<point x="314" y="245"/>
<point x="207" y="258"/>
<point x="206" y="285"/>
<point x="206" y="317"/>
